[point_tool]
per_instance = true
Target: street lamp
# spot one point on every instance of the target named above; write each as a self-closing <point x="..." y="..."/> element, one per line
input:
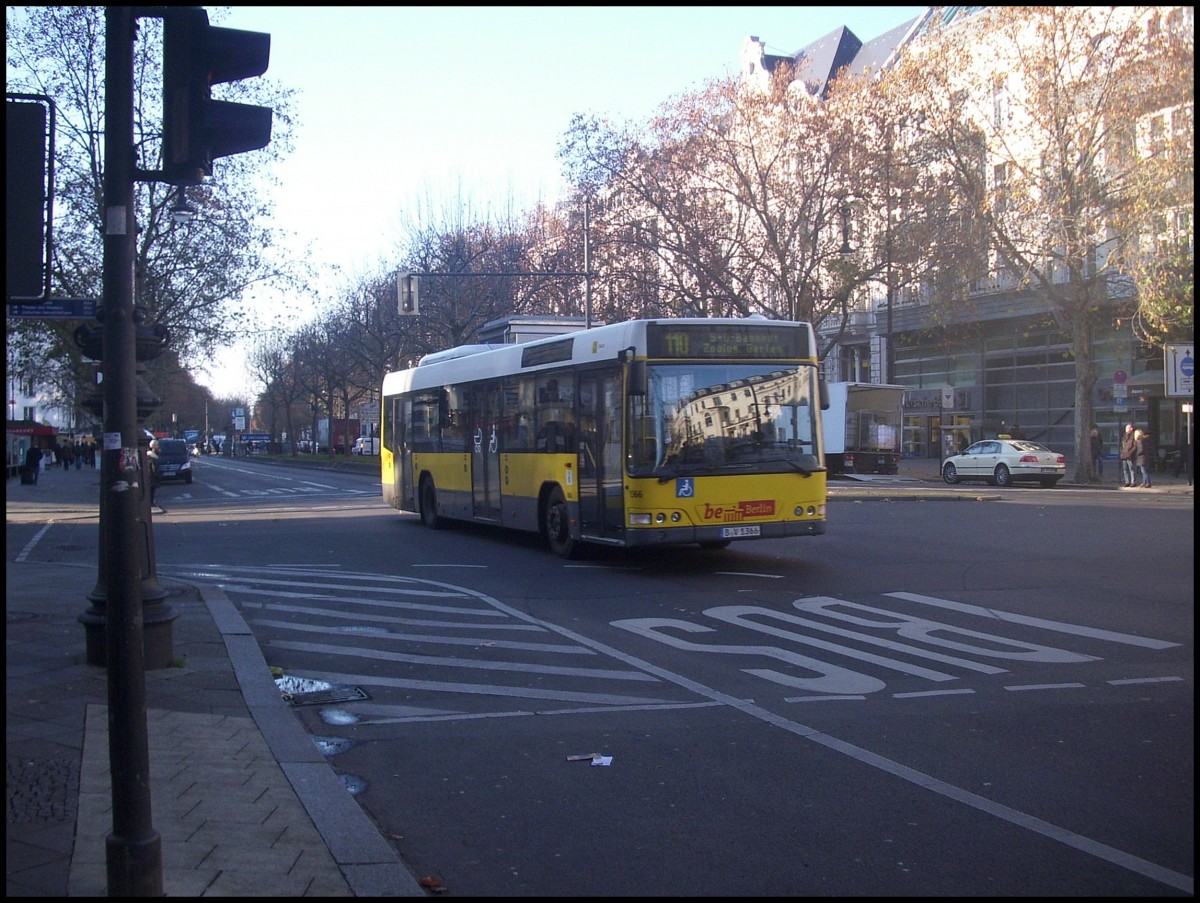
<point x="183" y="212"/>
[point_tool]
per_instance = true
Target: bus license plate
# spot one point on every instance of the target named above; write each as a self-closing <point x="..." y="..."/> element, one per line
<point x="734" y="532"/>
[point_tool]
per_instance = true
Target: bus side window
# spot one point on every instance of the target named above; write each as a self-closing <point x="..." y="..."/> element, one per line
<point x="519" y="434"/>
<point x="551" y="438"/>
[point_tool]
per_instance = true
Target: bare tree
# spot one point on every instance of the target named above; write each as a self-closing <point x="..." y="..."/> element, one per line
<point x="730" y="201"/>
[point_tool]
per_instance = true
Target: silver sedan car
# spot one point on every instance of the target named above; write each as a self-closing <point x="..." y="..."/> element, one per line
<point x="1002" y="462"/>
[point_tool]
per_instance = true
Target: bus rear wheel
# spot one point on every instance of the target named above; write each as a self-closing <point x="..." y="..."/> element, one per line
<point x="429" y="515"/>
<point x="557" y="526"/>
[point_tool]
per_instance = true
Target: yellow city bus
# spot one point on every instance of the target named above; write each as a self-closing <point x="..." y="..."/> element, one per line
<point x="632" y="434"/>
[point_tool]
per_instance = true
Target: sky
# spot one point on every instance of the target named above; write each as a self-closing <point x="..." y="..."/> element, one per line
<point x="405" y="109"/>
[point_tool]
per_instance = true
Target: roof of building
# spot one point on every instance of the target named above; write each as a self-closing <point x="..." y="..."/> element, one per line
<point x="819" y="62"/>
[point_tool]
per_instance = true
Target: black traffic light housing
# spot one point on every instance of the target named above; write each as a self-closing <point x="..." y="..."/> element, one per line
<point x="196" y="128"/>
<point x="408" y="294"/>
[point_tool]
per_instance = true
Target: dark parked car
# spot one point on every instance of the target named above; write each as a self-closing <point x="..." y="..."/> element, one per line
<point x="174" y="462"/>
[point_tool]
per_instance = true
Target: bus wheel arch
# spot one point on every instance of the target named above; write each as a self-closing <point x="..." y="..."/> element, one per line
<point x="556" y="522"/>
<point x="427" y="503"/>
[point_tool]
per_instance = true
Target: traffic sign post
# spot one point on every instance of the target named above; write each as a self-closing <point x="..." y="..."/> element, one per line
<point x="1179" y="364"/>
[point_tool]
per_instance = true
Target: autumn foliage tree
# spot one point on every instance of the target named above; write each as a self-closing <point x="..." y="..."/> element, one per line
<point x="1036" y="114"/>
<point x="190" y="278"/>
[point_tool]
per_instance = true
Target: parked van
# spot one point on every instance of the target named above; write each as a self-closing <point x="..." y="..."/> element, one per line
<point x="365" y="445"/>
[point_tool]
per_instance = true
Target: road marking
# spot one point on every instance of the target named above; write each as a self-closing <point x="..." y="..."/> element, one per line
<point x="441" y="623"/>
<point x="605" y="699"/>
<point x="998" y="615"/>
<point x="36" y="538"/>
<point x="859" y="754"/>
<point x="433" y="638"/>
<point x="1018" y="688"/>
<point x="749" y="574"/>
<point x="468" y="663"/>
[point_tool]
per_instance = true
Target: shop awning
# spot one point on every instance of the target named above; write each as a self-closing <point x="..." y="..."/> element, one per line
<point x="28" y="428"/>
<point x="1151" y="379"/>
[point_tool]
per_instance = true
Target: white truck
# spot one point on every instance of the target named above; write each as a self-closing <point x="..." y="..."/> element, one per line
<point x="863" y="426"/>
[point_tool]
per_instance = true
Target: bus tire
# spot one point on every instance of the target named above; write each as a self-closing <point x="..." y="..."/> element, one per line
<point x="429" y="515"/>
<point x="557" y="525"/>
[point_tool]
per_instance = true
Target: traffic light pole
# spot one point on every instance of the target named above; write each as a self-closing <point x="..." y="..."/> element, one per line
<point x="134" y="849"/>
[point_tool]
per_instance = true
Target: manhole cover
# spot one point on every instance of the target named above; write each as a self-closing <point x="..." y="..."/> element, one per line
<point x="325" y="697"/>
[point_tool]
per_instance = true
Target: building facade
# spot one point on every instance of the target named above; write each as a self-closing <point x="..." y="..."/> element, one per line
<point x="1004" y="363"/>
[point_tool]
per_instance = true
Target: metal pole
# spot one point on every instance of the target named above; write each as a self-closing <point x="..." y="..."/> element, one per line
<point x="133" y="849"/>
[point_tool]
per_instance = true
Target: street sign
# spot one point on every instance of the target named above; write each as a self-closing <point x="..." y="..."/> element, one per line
<point x="55" y="309"/>
<point x="1179" y="362"/>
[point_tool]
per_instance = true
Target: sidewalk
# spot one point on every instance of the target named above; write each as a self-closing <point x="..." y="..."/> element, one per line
<point x="929" y="470"/>
<point x="243" y="801"/>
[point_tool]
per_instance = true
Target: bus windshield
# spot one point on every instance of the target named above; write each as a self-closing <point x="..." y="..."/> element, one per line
<point x="713" y="418"/>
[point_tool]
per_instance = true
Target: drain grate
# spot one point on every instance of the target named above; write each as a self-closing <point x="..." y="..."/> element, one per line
<point x="325" y="697"/>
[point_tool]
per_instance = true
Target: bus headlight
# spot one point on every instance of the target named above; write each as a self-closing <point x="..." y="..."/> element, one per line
<point x="639" y="520"/>
<point x="676" y="517"/>
<point x="660" y="517"/>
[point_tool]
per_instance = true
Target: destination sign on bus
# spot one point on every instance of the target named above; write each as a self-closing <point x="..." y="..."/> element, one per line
<point x="726" y="340"/>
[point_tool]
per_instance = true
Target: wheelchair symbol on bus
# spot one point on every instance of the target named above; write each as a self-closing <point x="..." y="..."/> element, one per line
<point x="685" y="487"/>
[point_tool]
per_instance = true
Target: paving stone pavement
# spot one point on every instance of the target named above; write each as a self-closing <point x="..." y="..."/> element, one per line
<point x="242" y="800"/>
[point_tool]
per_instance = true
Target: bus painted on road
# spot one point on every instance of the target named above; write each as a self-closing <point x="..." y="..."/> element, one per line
<point x="630" y="434"/>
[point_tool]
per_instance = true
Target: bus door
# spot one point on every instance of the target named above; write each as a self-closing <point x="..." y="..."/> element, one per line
<point x="483" y="404"/>
<point x="601" y="494"/>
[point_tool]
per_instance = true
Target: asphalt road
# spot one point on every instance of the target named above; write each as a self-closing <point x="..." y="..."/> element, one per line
<point x="953" y="691"/>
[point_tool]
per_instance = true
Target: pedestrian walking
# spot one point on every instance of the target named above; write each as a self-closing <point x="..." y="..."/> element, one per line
<point x="152" y="468"/>
<point x="33" y="463"/>
<point x="1096" y="445"/>
<point x="1141" y="456"/>
<point x="1128" y="468"/>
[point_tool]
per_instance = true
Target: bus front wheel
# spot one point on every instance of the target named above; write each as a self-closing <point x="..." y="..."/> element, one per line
<point x="429" y="515"/>
<point x="558" y="525"/>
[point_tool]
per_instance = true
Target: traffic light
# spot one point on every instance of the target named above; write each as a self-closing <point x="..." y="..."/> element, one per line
<point x="25" y="209"/>
<point x="196" y="128"/>
<point x="408" y="294"/>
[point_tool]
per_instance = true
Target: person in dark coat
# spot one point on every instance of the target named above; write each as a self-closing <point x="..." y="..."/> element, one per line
<point x="33" y="462"/>
<point x="1141" y="456"/>
<point x="1096" y="447"/>
<point x="1128" y="473"/>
